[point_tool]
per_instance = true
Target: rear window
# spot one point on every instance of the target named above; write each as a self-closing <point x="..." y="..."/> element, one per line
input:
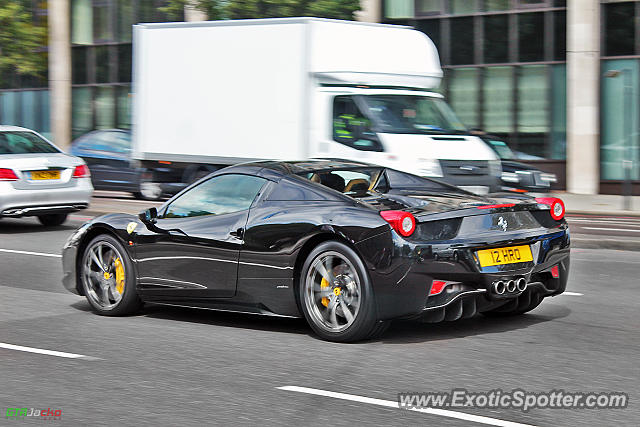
<point x="347" y="181"/>
<point x="20" y="142"/>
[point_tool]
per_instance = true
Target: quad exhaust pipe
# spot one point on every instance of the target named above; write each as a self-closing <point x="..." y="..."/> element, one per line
<point x="500" y="287"/>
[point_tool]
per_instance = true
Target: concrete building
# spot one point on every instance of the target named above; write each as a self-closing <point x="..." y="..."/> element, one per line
<point x="558" y="79"/>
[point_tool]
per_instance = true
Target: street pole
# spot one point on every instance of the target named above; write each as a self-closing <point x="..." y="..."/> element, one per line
<point x="60" y="72"/>
<point x="627" y="163"/>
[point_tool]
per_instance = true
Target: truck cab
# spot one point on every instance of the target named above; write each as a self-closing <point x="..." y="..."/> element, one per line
<point x="410" y="130"/>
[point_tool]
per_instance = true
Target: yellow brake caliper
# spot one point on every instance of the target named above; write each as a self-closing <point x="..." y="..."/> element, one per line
<point x="119" y="276"/>
<point x="324" y="284"/>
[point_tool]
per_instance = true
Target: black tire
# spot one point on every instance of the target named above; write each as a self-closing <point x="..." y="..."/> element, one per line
<point x="523" y="304"/>
<point x="350" y="284"/>
<point x="129" y="301"/>
<point x="52" y="220"/>
<point x="148" y="190"/>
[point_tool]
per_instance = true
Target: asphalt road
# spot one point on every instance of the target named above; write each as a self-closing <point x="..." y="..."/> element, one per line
<point x="186" y="367"/>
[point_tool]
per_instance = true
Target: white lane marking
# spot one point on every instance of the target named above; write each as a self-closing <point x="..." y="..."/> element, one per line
<point x="13" y="251"/>
<point x="394" y="404"/>
<point x="572" y="294"/>
<point x="47" y="352"/>
<point x="611" y="229"/>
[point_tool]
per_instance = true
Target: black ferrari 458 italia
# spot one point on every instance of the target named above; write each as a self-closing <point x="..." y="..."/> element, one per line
<point x="347" y="245"/>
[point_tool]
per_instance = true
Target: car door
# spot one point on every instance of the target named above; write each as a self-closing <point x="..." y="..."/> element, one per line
<point x="116" y="172"/>
<point x="193" y="248"/>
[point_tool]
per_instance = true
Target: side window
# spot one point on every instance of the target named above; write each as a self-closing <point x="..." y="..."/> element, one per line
<point x="119" y="142"/>
<point x="351" y="127"/>
<point x="219" y="195"/>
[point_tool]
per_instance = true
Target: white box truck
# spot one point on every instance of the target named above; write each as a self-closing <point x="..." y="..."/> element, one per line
<point x="210" y="94"/>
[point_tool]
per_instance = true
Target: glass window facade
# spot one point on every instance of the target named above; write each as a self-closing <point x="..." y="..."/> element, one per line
<point x="462" y="45"/>
<point x="498" y="100"/>
<point x="496" y="39"/>
<point x="619" y="34"/>
<point x="81" y="22"/>
<point x="494" y="5"/>
<point x="464" y="95"/>
<point x="620" y="124"/>
<point x="27" y="108"/>
<point x="558" y="111"/>
<point x="530" y="37"/>
<point x="399" y="9"/>
<point x="504" y="67"/>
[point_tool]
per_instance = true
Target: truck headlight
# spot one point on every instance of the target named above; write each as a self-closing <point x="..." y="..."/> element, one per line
<point x="430" y="168"/>
<point x="510" y="177"/>
<point x="549" y="177"/>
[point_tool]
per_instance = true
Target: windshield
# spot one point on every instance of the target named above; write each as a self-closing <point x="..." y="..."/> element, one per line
<point x="411" y="114"/>
<point x="358" y="182"/>
<point x="20" y="142"/>
<point x="502" y="149"/>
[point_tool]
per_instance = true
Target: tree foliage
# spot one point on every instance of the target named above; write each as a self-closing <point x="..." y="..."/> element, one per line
<point x="337" y="9"/>
<point x="246" y="9"/>
<point x="21" y="41"/>
<point x="213" y="8"/>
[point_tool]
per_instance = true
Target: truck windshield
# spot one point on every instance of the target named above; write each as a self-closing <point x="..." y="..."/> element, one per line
<point x="411" y="114"/>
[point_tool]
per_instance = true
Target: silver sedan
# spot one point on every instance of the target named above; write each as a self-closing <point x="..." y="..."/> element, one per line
<point x="38" y="179"/>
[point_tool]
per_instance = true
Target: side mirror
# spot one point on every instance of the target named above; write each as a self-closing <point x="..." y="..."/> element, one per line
<point x="149" y="216"/>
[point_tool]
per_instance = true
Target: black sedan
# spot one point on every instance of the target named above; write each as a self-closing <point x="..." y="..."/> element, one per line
<point x="347" y="245"/>
<point x="518" y="176"/>
<point x="108" y="153"/>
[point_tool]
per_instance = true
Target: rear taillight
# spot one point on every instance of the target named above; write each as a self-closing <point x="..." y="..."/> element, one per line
<point x="7" y="175"/>
<point x="81" y="171"/>
<point x="555" y="272"/>
<point x="403" y="222"/>
<point x="556" y="205"/>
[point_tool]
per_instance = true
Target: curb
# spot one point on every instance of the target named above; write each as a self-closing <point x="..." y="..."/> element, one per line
<point x="618" y="213"/>
<point x="605" y="242"/>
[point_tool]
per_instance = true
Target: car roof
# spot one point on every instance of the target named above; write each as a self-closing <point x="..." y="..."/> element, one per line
<point x="9" y="128"/>
<point x="294" y="167"/>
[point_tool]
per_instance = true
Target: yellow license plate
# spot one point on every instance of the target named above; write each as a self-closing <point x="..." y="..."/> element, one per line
<point x="500" y="256"/>
<point x="45" y="175"/>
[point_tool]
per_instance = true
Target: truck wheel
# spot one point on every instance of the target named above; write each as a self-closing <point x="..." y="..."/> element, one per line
<point x="51" y="220"/>
<point x="336" y="295"/>
<point x="148" y="191"/>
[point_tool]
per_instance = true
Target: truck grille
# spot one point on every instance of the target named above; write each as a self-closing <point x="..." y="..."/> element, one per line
<point x="465" y="167"/>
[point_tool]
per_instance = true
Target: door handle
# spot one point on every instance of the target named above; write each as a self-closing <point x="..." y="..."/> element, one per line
<point x="238" y="234"/>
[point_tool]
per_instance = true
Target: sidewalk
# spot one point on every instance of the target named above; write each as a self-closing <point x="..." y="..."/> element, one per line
<point x="603" y="205"/>
<point x="600" y="204"/>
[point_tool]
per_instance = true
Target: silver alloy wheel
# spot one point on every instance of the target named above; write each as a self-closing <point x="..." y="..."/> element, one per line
<point x="332" y="292"/>
<point x="150" y="190"/>
<point x="100" y="271"/>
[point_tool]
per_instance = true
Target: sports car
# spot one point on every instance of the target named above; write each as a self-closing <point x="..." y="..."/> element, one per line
<point x="348" y="246"/>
